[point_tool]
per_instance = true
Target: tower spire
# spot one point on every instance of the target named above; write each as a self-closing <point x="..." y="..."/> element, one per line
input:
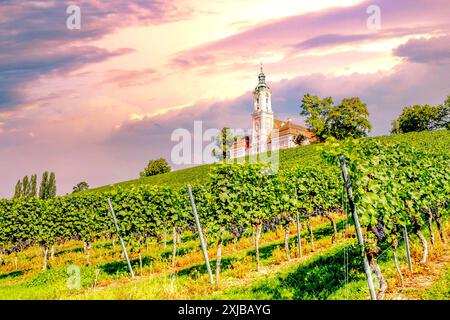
<point x="262" y="76"/>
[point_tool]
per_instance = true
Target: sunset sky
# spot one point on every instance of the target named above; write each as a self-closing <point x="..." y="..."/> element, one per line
<point x="96" y="104"/>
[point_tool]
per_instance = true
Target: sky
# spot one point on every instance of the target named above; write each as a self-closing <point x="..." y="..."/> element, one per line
<point x="96" y="103"/>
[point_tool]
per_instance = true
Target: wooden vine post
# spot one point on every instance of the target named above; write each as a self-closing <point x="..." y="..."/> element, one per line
<point x="357" y="227"/>
<point x="121" y="239"/>
<point x="200" y="234"/>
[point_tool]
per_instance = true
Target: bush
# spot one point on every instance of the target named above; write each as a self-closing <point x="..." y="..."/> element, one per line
<point x="155" y="167"/>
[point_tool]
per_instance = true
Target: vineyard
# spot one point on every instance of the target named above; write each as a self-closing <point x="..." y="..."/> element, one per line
<point x="399" y="189"/>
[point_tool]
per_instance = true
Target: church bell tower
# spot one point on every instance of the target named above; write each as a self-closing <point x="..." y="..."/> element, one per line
<point x="262" y="114"/>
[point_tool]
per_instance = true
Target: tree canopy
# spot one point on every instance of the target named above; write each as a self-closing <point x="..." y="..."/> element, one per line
<point x="423" y="118"/>
<point x="345" y="120"/>
<point x="81" y="186"/>
<point x="224" y="142"/>
<point x="47" y="189"/>
<point x="26" y="188"/>
<point x="155" y="167"/>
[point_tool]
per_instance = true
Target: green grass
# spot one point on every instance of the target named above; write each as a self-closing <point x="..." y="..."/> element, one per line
<point x="318" y="275"/>
<point x="303" y="155"/>
<point x="440" y="290"/>
<point x="317" y="278"/>
<point x="190" y="278"/>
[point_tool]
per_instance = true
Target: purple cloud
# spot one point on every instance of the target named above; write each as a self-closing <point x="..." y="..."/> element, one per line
<point x="434" y="50"/>
<point x="35" y="41"/>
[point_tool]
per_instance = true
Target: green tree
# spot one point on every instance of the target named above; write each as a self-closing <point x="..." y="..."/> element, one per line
<point x="316" y="111"/>
<point x="52" y="186"/>
<point x="444" y="115"/>
<point x="25" y="187"/>
<point x="417" y="118"/>
<point x="18" y="189"/>
<point x="395" y="126"/>
<point x="224" y="142"/>
<point x="43" y="193"/>
<point x="298" y="140"/>
<point x="348" y="119"/>
<point x="81" y="186"/>
<point x="155" y="167"/>
<point x="33" y="186"/>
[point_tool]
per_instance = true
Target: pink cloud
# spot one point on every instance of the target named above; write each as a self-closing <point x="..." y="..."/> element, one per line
<point x="348" y="25"/>
<point x="127" y="78"/>
<point x="36" y="43"/>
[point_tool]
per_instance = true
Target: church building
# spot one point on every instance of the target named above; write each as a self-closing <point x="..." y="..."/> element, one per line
<point x="268" y="133"/>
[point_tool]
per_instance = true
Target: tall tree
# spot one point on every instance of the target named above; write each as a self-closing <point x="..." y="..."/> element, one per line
<point x="52" y="186"/>
<point x="25" y="187"/>
<point x="18" y="189"/>
<point x="43" y="193"/>
<point x="224" y="142"/>
<point x="81" y="186"/>
<point x="346" y="120"/>
<point x="33" y="186"/>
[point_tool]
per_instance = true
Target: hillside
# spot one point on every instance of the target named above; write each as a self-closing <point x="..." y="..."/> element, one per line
<point x="309" y="155"/>
<point x="320" y="260"/>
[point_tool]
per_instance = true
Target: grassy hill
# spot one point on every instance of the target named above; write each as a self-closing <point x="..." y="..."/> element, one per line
<point x="303" y="155"/>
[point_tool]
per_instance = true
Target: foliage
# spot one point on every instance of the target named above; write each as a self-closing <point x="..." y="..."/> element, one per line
<point x="155" y="167"/>
<point x="224" y="141"/>
<point x="346" y="120"/>
<point x="349" y="119"/>
<point x="394" y="185"/>
<point x="47" y="189"/>
<point x="444" y="115"/>
<point x="317" y="111"/>
<point x="299" y="139"/>
<point x="26" y="188"/>
<point x="18" y="189"/>
<point x="81" y="186"/>
<point x="416" y="118"/>
<point x="423" y="118"/>
<point x="309" y="155"/>
<point x="33" y="187"/>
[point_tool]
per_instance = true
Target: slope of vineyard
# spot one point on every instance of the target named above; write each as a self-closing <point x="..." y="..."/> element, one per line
<point x="304" y="155"/>
<point x="255" y="224"/>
